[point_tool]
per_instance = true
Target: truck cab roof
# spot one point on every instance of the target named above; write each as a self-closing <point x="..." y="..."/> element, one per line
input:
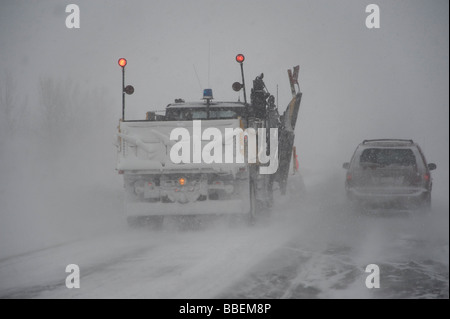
<point x="203" y="104"/>
<point x="183" y="111"/>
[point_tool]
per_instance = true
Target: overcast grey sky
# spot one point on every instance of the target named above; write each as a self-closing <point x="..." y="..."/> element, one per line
<point x="357" y="83"/>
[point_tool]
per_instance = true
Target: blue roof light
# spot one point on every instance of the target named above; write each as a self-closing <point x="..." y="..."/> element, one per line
<point x="207" y="94"/>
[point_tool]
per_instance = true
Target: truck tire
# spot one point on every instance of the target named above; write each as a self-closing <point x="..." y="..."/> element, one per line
<point x="152" y="222"/>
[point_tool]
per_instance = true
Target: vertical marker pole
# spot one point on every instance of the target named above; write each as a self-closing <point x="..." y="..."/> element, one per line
<point x="123" y="93"/>
<point x="122" y="63"/>
<point x="243" y="82"/>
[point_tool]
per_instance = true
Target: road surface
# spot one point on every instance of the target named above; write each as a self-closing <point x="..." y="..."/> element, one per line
<point x="311" y="247"/>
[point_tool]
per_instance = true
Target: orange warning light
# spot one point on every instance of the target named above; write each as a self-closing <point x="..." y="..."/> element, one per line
<point x="122" y="62"/>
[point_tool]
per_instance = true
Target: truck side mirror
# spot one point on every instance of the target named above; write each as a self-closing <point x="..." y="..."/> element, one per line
<point x="432" y="166"/>
<point x="346" y="165"/>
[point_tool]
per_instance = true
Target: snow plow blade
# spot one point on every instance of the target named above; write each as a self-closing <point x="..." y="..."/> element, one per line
<point x="286" y="141"/>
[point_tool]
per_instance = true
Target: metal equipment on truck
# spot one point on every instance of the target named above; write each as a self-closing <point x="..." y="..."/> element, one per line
<point x="207" y="157"/>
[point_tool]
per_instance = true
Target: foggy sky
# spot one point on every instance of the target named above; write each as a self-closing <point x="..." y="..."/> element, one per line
<point x="357" y="83"/>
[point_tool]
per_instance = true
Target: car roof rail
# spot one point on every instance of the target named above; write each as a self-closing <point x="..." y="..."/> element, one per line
<point x="389" y="140"/>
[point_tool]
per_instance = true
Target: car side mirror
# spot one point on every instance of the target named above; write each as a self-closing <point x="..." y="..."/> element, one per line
<point x="346" y="165"/>
<point x="432" y="166"/>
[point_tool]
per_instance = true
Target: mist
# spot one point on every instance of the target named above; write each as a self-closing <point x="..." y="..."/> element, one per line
<point x="60" y="104"/>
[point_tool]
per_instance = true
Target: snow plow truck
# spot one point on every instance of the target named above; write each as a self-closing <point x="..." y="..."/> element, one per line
<point x="208" y="157"/>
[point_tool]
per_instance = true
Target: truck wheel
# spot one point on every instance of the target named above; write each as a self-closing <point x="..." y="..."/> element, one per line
<point x="165" y="199"/>
<point x="189" y="222"/>
<point x="153" y="222"/>
<point x="133" y="222"/>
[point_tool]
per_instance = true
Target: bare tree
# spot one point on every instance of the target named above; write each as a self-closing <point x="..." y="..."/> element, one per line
<point x="8" y="104"/>
<point x="58" y="100"/>
<point x="70" y="113"/>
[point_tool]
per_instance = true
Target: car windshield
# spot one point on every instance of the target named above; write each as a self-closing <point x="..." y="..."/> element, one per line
<point x="387" y="157"/>
<point x="188" y="114"/>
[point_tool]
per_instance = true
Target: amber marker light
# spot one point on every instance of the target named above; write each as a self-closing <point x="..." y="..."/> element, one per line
<point x="122" y="62"/>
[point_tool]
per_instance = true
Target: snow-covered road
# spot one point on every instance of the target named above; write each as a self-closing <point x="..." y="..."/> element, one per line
<point x="312" y="247"/>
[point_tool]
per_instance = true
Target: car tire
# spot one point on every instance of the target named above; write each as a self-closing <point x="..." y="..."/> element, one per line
<point x="426" y="204"/>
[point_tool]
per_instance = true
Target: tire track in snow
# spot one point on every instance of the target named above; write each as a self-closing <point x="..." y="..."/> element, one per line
<point x="35" y="291"/>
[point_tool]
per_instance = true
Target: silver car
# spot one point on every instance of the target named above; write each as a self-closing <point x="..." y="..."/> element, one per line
<point x="389" y="173"/>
